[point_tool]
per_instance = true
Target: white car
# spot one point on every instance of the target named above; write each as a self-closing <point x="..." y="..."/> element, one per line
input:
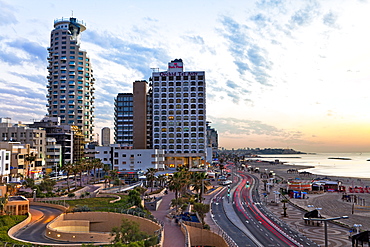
<point x="227" y="182"/>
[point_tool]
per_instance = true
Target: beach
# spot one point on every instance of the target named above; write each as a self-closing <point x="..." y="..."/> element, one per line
<point x="331" y="203"/>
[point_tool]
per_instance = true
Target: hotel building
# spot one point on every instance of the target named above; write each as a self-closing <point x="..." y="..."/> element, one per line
<point x="70" y="80"/>
<point x="179" y="115"/>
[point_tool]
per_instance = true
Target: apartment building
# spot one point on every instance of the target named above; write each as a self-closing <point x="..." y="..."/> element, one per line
<point x="70" y="79"/>
<point x="122" y="157"/>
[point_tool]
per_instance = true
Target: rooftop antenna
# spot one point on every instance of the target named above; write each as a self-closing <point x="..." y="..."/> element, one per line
<point x="154" y="69"/>
<point x="72" y="13"/>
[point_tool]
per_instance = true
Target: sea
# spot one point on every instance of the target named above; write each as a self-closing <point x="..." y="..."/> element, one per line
<point x="345" y="164"/>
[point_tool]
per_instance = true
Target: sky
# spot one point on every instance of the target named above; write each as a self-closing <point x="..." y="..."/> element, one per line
<point x="279" y="73"/>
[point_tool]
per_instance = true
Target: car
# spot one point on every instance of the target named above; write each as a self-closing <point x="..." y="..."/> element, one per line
<point x="227" y="182"/>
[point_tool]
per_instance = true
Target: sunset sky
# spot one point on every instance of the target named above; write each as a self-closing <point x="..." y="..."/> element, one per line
<point x="285" y="74"/>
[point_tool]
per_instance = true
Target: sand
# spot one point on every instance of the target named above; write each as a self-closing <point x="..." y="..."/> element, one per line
<point x="331" y="202"/>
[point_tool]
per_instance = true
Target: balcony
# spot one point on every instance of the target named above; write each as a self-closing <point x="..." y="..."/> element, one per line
<point x="63" y="78"/>
<point x="63" y="58"/>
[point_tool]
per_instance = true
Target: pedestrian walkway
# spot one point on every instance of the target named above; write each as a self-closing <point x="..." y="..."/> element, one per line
<point x="337" y="235"/>
<point x="173" y="236"/>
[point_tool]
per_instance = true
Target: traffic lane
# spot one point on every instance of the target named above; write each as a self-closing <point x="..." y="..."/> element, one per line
<point x="255" y="224"/>
<point x="266" y="232"/>
<point x="35" y="232"/>
<point x="239" y="237"/>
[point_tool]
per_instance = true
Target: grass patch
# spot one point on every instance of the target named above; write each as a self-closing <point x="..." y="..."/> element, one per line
<point x="100" y="203"/>
<point x="7" y="222"/>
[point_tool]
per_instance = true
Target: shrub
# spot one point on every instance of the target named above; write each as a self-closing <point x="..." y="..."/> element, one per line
<point x="71" y="195"/>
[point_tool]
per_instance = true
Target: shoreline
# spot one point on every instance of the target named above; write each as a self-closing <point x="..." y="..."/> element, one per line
<point x="280" y="170"/>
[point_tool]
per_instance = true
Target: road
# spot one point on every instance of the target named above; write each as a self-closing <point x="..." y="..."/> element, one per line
<point x="35" y="231"/>
<point x="260" y="227"/>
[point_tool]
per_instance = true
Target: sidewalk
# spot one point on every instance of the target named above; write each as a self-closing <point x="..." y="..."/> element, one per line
<point x="173" y="236"/>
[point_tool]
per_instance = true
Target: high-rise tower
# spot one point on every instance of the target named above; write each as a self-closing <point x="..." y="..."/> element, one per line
<point x="70" y="80"/>
<point x="179" y="114"/>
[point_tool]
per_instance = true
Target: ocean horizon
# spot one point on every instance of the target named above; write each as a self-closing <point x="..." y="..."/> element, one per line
<point x="353" y="165"/>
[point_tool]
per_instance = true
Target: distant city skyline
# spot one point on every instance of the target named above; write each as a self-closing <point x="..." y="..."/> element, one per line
<point x="280" y="74"/>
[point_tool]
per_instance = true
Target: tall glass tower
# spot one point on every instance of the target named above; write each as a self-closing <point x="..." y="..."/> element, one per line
<point x="70" y="80"/>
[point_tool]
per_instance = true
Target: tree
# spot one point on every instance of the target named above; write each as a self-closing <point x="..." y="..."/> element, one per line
<point x="28" y="183"/>
<point x="150" y="176"/>
<point x="198" y="181"/>
<point x="284" y="207"/>
<point x="96" y="164"/>
<point x="162" y="179"/>
<point x="67" y="168"/>
<point x="106" y="169"/>
<point x="3" y="202"/>
<point x="128" y="232"/>
<point x="134" y="198"/>
<point x="29" y="158"/>
<point x="201" y="209"/>
<point x="47" y="184"/>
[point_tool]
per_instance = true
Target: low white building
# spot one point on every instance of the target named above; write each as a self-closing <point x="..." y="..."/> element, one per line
<point x="121" y="157"/>
<point x="5" y="157"/>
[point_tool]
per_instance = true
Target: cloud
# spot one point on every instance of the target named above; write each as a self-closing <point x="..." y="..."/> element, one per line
<point x="247" y="54"/>
<point x="6" y="14"/>
<point x="35" y="50"/>
<point x="125" y="53"/>
<point x="330" y="20"/>
<point x="304" y="16"/>
<point x="12" y="52"/>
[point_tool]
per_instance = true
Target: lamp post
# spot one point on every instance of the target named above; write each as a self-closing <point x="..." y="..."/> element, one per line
<point x="357" y="226"/>
<point x="326" y="224"/>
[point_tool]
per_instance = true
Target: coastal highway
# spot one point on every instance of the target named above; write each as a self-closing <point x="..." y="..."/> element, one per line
<point x="228" y="223"/>
<point x="258" y="226"/>
<point x="264" y="225"/>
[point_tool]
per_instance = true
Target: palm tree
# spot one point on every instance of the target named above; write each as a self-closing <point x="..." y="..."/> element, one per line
<point x="162" y="180"/>
<point x="106" y="169"/>
<point x="198" y="181"/>
<point x="67" y="168"/>
<point x="96" y="164"/>
<point x="284" y="207"/>
<point x="29" y="158"/>
<point x="75" y="170"/>
<point x="150" y="176"/>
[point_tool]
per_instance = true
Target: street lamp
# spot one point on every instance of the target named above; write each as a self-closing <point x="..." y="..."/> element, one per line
<point x="326" y="224"/>
<point x="357" y="226"/>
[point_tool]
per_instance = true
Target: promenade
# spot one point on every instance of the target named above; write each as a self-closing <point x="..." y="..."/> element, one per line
<point x="331" y="205"/>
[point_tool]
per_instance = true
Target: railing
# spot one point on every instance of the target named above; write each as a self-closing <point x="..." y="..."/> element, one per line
<point x="186" y="233"/>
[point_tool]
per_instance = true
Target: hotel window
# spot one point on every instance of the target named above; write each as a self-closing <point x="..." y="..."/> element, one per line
<point x="163" y="84"/>
<point x="170" y="78"/>
<point x="156" y="78"/>
<point x="178" y="77"/>
<point x="163" y="78"/>
<point x="170" y="84"/>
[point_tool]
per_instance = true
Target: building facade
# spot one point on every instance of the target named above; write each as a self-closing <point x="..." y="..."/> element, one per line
<point x="4" y="165"/>
<point x="105" y="136"/>
<point x="53" y="159"/>
<point x="69" y="137"/>
<point x="121" y="157"/>
<point x="124" y="119"/>
<point x="24" y="161"/>
<point x="35" y="137"/>
<point x="70" y="79"/>
<point x="179" y="114"/>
